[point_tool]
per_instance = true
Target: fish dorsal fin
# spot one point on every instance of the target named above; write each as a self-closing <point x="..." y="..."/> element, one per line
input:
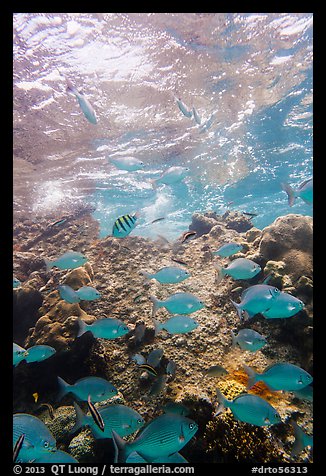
<point x="242" y="394"/>
<point x="268" y="367"/>
<point x="244" y="292"/>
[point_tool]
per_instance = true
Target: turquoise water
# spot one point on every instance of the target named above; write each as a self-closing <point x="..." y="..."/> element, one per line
<point x="251" y="73"/>
<point x="279" y="152"/>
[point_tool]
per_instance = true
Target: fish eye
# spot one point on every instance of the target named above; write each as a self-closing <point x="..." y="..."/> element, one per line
<point x="276" y="290"/>
<point x="191" y="426"/>
<point x="140" y="421"/>
<point x="46" y="444"/>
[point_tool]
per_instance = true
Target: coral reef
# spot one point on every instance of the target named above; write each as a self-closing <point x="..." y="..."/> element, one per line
<point x="284" y="250"/>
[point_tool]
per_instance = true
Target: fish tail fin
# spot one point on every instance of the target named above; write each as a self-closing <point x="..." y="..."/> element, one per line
<point x="156" y="305"/>
<point x="238" y="309"/>
<point x="48" y="264"/>
<point x="158" y="326"/>
<point x="251" y="376"/>
<point x="290" y="193"/>
<point x="223" y="402"/>
<point x="234" y="338"/>
<point x="82" y="327"/>
<point x="146" y="275"/>
<point x="153" y="183"/>
<point x="219" y="273"/>
<point x="63" y="388"/>
<point x="120" y="447"/>
<point x="81" y="419"/>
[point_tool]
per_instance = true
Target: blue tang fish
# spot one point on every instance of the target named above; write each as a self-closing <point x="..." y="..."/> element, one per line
<point x="280" y="376"/>
<point x="124" y="225"/>
<point x="68" y="294"/>
<point x="168" y="275"/>
<point x="105" y="328"/>
<point x="284" y="305"/>
<point x="248" y="339"/>
<point x="301" y="439"/>
<point x="57" y="456"/>
<point x="178" y="303"/>
<point x="256" y="299"/>
<point x="16" y="283"/>
<point x="120" y="418"/>
<point x="38" y="437"/>
<point x="131" y="164"/>
<point x="171" y="176"/>
<point x="98" y="388"/>
<point x="163" y="436"/>
<point x="38" y="353"/>
<point x="304" y="191"/>
<point x="88" y="293"/>
<point x="176" y="325"/>
<point x="84" y="103"/>
<point x="69" y="260"/>
<point x="19" y="354"/>
<point x="240" y="268"/>
<point x="228" y="249"/>
<point x="249" y="409"/>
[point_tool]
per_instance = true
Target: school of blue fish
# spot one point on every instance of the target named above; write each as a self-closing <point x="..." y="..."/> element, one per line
<point x="164" y="436"/>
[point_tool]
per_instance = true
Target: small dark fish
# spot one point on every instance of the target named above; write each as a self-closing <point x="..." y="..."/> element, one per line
<point x="215" y="371"/>
<point x="17" y="447"/>
<point x="170" y="368"/>
<point x="158" y="385"/>
<point x="50" y="408"/>
<point x="179" y="262"/>
<point x="228" y="204"/>
<point x="157" y="219"/>
<point x="137" y="298"/>
<point x="148" y="369"/>
<point x="139" y="332"/>
<point x="251" y="215"/>
<point x="187" y="235"/>
<point x="95" y="414"/>
<point x="59" y="222"/>
<point x="154" y="357"/>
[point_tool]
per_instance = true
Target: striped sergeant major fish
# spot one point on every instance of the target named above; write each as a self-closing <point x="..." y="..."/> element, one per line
<point x="124" y="225"/>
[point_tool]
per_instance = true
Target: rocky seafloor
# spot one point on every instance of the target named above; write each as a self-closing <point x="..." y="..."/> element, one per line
<point x="283" y="250"/>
